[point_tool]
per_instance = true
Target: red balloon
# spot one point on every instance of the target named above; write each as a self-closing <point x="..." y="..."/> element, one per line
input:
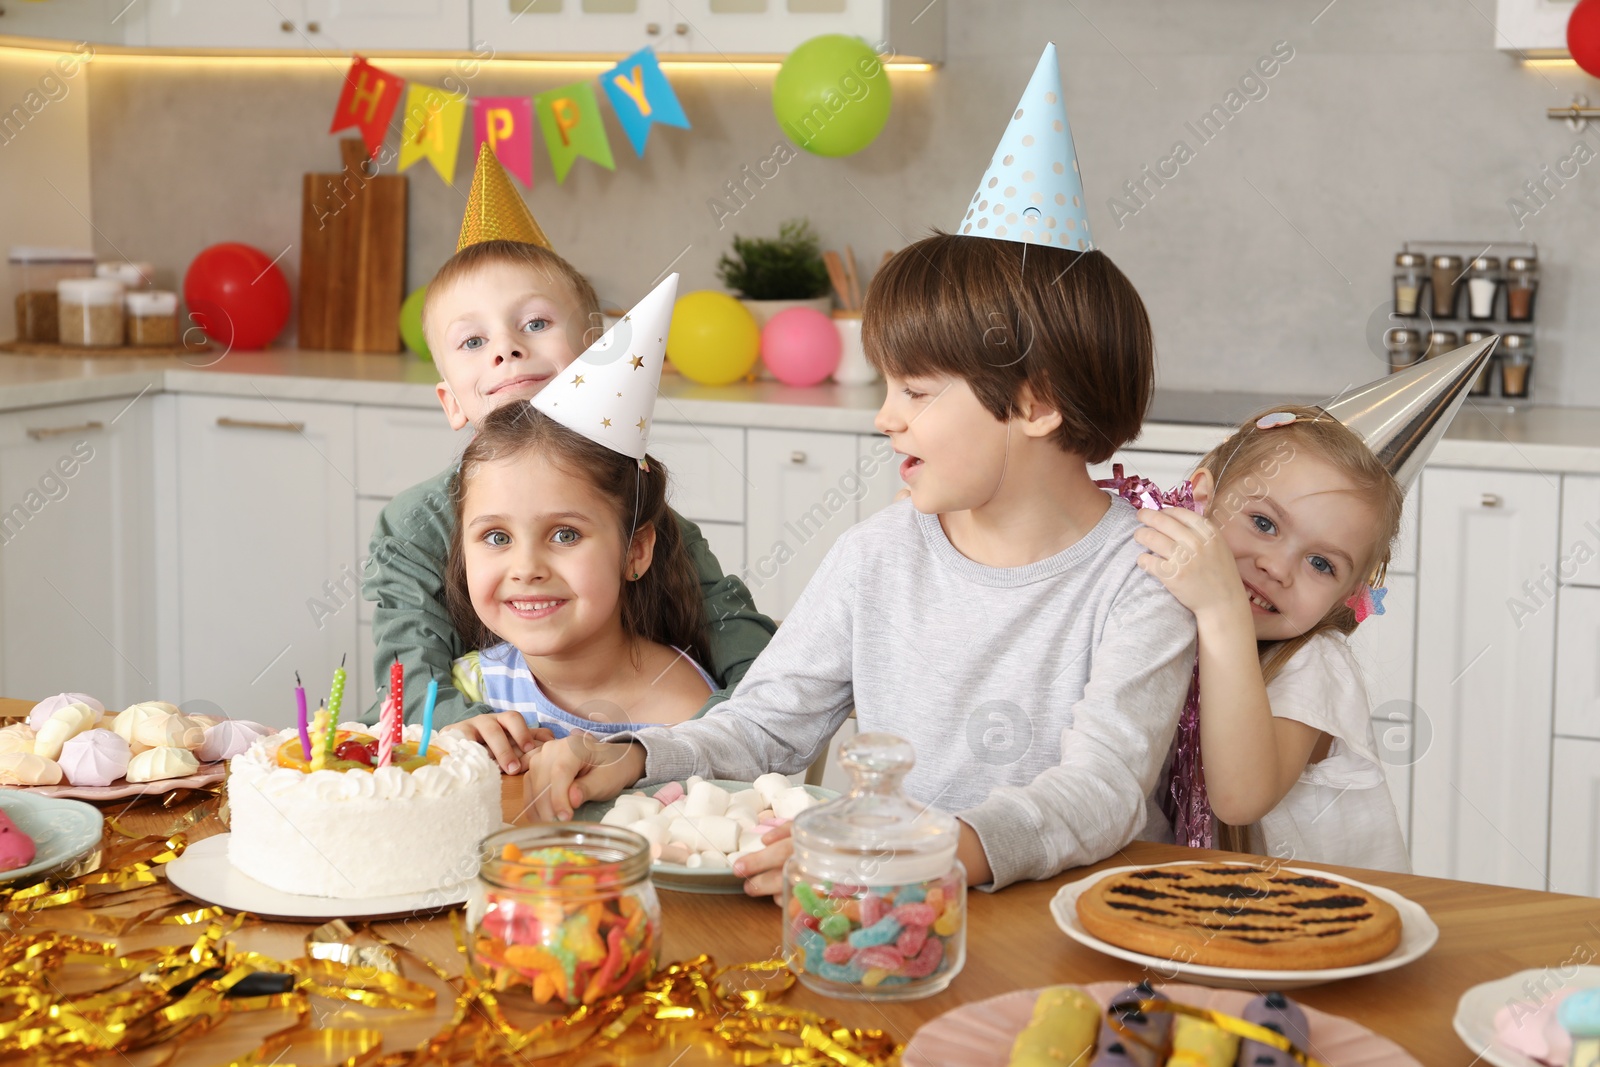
<point x="237" y="295"/>
<point x="1583" y="35"/>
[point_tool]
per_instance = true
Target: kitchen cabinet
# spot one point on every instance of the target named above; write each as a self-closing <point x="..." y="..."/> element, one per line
<point x="266" y="537"/>
<point x="1538" y="27"/>
<point x="1578" y="561"/>
<point x="802" y="498"/>
<point x="320" y="25"/>
<point x="1575" y="817"/>
<point x="77" y="551"/>
<point x="398" y="447"/>
<point x="1484" y="679"/>
<point x="1577" y="664"/>
<point x="705" y="470"/>
<point x="95" y="21"/>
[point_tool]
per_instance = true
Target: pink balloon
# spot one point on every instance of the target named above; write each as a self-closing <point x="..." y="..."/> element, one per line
<point x="800" y="346"/>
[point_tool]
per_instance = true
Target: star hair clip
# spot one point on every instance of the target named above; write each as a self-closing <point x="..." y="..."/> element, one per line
<point x="1366" y="601"/>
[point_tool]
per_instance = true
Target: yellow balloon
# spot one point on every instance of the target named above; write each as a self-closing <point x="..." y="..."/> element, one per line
<point x="713" y="339"/>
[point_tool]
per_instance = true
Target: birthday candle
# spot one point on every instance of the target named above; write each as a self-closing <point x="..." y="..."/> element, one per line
<point x="427" y="715"/>
<point x="386" y="719"/>
<point x="300" y="709"/>
<point x="319" y="755"/>
<point x="397" y="691"/>
<point x="335" y="699"/>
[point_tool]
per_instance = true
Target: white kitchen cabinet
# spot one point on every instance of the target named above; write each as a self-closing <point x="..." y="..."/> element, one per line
<point x="1575" y="817"/>
<point x="705" y="467"/>
<point x="77" y="551"/>
<point x="1578" y="561"/>
<point x="1578" y="663"/>
<point x="1385" y="647"/>
<point x="1538" y="27"/>
<point x="606" y="27"/>
<point x="803" y="495"/>
<point x="95" y="21"/>
<point x="1480" y="800"/>
<point x="727" y="544"/>
<point x="320" y="25"/>
<point x="398" y="447"/>
<point x="266" y="532"/>
<point x="879" y="470"/>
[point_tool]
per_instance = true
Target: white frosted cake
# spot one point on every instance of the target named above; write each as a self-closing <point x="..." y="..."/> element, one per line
<point x="349" y="831"/>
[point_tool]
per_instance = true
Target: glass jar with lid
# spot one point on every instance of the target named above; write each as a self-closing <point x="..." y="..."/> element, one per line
<point x="1410" y="276"/>
<point x="34" y="274"/>
<point x="565" y="912"/>
<point x="1440" y="342"/>
<point x="1405" y="347"/>
<point x="90" y="312"/>
<point x="875" y="900"/>
<point x="1446" y="285"/>
<point x="1483" y="287"/>
<point x="152" y="317"/>
<point x="1522" y="285"/>
<point x="133" y="276"/>
<point x="1516" y="365"/>
<point x="1485" y="379"/>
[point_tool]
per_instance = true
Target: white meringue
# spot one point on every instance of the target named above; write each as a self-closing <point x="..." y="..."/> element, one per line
<point x="125" y="723"/>
<point x="175" y="731"/>
<point x="228" y="738"/>
<point x="18" y="737"/>
<point x="50" y="705"/>
<point x="94" y="757"/>
<point x="25" y="768"/>
<point x="70" y="721"/>
<point x="158" y="764"/>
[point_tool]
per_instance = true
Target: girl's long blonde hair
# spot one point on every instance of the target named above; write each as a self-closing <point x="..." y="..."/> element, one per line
<point x="1238" y="467"/>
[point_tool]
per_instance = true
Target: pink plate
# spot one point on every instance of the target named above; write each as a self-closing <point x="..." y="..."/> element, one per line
<point x="206" y="774"/>
<point x="980" y="1034"/>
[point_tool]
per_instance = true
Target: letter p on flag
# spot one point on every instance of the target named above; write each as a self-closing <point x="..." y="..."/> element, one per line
<point x="570" y="120"/>
<point x="506" y="124"/>
<point x="640" y="95"/>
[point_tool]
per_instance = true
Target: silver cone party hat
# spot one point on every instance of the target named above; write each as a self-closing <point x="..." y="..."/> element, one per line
<point x="1402" y="416"/>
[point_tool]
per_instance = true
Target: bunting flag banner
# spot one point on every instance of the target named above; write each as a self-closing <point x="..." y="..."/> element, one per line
<point x="641" y="95"/>
<point x="367" y="101"/>
<point x="505" y="124"/>
<point x="432" y="129"/>
<point x="570" y="119"/>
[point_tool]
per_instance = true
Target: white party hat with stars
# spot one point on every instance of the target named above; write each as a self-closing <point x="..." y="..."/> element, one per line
<point x="609" y="393"/>
<point x="1032" y="191"/>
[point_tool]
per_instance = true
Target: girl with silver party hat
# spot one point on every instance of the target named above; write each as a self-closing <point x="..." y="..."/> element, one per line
<point x="1283" y="557"/>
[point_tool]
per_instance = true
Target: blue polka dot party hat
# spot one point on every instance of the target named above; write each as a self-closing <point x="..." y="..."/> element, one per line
<point x="1032" y="191"/>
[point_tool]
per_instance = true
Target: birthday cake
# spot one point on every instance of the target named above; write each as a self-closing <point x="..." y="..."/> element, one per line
<point x="351" y="830"/>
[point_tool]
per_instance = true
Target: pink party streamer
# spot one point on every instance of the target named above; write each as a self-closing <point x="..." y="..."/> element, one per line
<point x="1184" y="799"/>
<point x="386" y="730"/>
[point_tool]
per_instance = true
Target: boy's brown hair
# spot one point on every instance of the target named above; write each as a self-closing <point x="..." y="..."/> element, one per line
<point x="1001" y="314"/>
<point x="587" y="325"/>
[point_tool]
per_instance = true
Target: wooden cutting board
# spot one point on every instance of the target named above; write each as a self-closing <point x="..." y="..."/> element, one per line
<point x="352" y="257"/>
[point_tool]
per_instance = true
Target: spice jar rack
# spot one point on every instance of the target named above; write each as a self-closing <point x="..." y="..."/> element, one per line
<point x="1447" y="293"/>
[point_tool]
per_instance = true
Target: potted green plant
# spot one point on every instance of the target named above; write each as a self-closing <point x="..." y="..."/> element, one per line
<point x="774" y="274"/>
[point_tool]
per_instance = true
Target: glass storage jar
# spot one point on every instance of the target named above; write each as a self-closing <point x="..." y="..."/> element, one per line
<point x="1446" y="286"/>
<point x="90" y="311"/>
<point x="34" y="274"/>
<point x="1516" y="365"/>
<point x="152" y="318"/>
<point x="1410" y="275"/>
<point x="1483" y="287"/>
<point x="1485" y="379"/>
<point x="875" y="900"/>
<point x="566" y="912"/>
<point x="1522" y="285"/>
<point x="1405" y="347"/>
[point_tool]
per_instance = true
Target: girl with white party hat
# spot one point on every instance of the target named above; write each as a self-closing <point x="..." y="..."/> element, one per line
<point x="1283" y="558"/>
<point x="568" y="574"/>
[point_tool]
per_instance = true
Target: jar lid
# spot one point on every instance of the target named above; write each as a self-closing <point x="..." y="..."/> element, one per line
<point x="1474" y="336"/>
<point x="875" y="835"/>
<point x="1486" y="263"/>
<point x="1516" y="342"/>
<point x="1410" y="259"/>
<point x="131" y="274"/>
<point x="1401" y="336"/>
<point x="546" y="853"/>
<point x="90" y="290"/>
<point x="33" y="254"/>
<point x="1442" y="337"/>
<point x="152" y="302"/>
<point x="1522" y="263"/>
<point x="1447" y="262"/>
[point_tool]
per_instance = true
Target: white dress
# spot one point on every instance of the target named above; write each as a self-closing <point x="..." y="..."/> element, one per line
<point x="1340" y="810"/>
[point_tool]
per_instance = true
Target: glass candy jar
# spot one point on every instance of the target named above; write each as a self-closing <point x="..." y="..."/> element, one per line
<point x="875" y="901"/>
<point x="565" y="911"/>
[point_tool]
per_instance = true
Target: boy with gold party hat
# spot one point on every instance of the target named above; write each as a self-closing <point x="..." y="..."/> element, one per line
<point x="503" y="317"/>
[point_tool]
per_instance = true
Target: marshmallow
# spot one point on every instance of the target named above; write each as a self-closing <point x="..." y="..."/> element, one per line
<point x="25" y="768"/>
<point x="694" y="861"/>
<point x="675" y="852"/>
<point x="750" y="841"/>
<point x="18" y="737"/>
<point x="792" y="802"/>
<point x="620" y="816"/>
<point x="747" y="799"/>
<point x="161" y="763"/>
<point x="705" y="799"/>
<point x="745" y="819"/>
<point x="94" y="757"/>
<point x="770" y="786"/>
<point x="711" y="859"/>
<point x="692" y="781"/>
<point x="228" y="738"/>
<point x="648" y="806"/>
<point x="47" y="707"/>
<point x="672" y="811"/>
<point x="66" y="723"/>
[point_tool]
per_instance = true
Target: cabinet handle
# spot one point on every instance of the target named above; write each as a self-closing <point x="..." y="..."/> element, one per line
<point x="682" y="28"/>
<point x="1492" y="500"/>
<point x="797" y="458"/>
<point x="313" y="27"/>
<point x="250" y="424"/>
<point x="286" y="26"/>
<point x="56" y="431"/>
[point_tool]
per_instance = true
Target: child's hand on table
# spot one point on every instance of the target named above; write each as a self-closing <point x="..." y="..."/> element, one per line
<point x="566" y="774"/>
<point x="763" y="871"/>
<point x="1189" y="556"/>
<point x="506" y="734"/>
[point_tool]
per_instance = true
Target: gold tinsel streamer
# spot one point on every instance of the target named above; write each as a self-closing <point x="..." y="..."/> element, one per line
<point x="162" y="998"/>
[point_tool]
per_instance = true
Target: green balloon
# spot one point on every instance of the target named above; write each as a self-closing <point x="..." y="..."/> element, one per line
<point x="411" y="323"/>
<point x="831" y="96"/>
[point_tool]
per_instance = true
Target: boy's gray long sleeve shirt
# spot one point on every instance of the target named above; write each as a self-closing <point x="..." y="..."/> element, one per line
<point x="1041" y="699"/>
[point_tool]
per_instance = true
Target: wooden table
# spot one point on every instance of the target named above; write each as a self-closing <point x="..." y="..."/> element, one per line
<point x="1486" y="932"/>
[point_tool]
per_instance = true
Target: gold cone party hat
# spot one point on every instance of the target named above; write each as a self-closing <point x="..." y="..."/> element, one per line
<point x="1402" y="416"/>
<point x="609" y="393"/>
<point x="495" y="211"/>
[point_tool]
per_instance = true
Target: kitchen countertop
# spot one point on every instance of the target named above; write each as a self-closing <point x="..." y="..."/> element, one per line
<point x="1486" y="434"/>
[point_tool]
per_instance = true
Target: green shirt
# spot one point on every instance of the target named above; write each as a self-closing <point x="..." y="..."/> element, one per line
<point x="404" y="577"/>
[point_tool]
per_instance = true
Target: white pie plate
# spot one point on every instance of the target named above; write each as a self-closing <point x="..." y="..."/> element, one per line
<point x="1417" y="935"/>
<point x="1474" y="1020"/>
<point x="203" y="873"/>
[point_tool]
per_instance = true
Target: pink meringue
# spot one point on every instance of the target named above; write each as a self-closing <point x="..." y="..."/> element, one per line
<point x="158" y="764"/>
<point x="228" y="738"/>
<point x="1531" y="1028"/>
<point x="18" y="737"/>
<point x="95" y="757"/>
<point x="24" y="768"/>
<point x="50" y="705"/>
